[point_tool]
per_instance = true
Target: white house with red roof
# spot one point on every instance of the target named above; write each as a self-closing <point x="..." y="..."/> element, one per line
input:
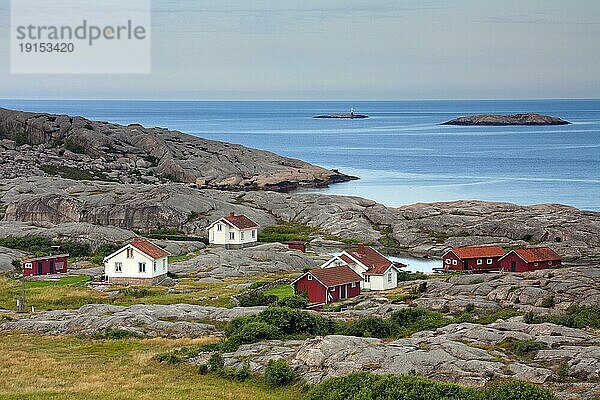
<point x="233" y="232"/>
<point x="377" y="271"/>
<point x="140" y="263"/>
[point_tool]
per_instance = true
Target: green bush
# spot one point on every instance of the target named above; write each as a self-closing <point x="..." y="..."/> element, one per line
<point x="415" y="319"/>
<point x="549" y="301"/>
<point x="102" y="251"/>
<point x="116" y="333"/>
<point x="42" y="246"/>
<point x="252" y="299"/>
<point x="215" y="362"/>
<point x="292" y="322"/>
<point x="253" y="332"/>
<point x="298" y="302"/>
<point x="522" y="347"/>
<point x="366" y="386"/>
<point x="574" y="317"/>
<point x="370" y="327"/>
<point x="278" y="373"/>
<point x="405" y="276"/>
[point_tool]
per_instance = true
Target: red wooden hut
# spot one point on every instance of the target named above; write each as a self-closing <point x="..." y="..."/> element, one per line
<point x="529" y="259"/>
<point x="53" y="264"/>
<point x="473" y="258"/>
<point x="326" y="285"/>
<point x="297" y="245"/>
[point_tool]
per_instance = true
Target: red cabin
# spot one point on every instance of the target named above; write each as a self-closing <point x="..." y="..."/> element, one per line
<point x="297" y="245"/>
<point x="473" y="258"/>
<point x="326" y="285"/>
<point x="45" y="265"/>
<point x="530" y="259"/>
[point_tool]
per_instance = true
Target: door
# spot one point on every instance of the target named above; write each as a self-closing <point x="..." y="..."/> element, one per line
<point x="513" y="266"/>
<point x="466" y="265"/>
<point x="40" y="268"/>
<point x="51" y="266"/>
<point x="343" y="292"/>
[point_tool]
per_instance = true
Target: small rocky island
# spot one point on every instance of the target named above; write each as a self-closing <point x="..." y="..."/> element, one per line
<point x="513" y="119"/>
<point x="350" y="115"/>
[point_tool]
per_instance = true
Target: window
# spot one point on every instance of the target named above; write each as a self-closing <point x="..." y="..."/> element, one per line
<point x="28" y="265"/>
<point x="479" y="261"/>
<point x="454" y="262"/>
<point x="549" y="262"/>
<point x="142" y="267"/>
<point x="242" y="235"/>
<point x="367" y="278"/>
<point x="164" y="264"/>
<point x="310" y="277"/>
<point x="489" y="261"/>
<point x="118" y="267"/>
<point x="353" y="284"/>
<point x="390" y="277"/>
<point x="535" y="264"/>
<point x="231" y="235"/>
<point x="448" y="261"/>
<point x="219" y="227"/>
<point x="154" y="266"/>
<point x="253" y="233"/>
<point x="129" y="253"/>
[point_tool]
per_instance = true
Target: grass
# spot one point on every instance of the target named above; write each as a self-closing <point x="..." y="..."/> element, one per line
<point x="281" y="291"/>
<point x="77" y="174"/>
<point x="184" y="257"/>
<point x="66" y="367"/>
<point x="285" y="231"/>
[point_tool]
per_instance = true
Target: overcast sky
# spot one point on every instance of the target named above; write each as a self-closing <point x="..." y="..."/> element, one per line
<point x="348" y="50"/>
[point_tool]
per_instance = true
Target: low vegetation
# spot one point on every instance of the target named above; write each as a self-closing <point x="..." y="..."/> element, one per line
<point x="366" y="386"/>
<point x="523" y="347"/>
<point x="39" y="245"/>
<point x="574" y="317"/>
<point x="286" y="231"/>
<point x="76" y="174"/>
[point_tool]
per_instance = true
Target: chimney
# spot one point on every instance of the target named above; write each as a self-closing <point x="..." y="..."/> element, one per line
<point x="361" y="248"/>
<point x="232" y="214"/>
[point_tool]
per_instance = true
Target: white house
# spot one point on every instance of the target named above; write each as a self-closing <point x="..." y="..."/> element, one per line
<point x="139" y="263"/>
<point x="233" y="232"/>
<point x="377" y="271"/>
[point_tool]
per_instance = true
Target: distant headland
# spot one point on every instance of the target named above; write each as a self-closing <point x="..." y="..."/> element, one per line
<point x="513" y="119"/>
<point x="350" y="115"/>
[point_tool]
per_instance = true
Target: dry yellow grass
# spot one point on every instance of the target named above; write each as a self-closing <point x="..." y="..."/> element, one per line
<point x="65" y="367"/>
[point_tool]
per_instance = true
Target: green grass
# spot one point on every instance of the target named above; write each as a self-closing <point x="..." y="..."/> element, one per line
<point x="77" y="174"/>
<point x="67" y="367"/>
<point x="285" y="231"/>
<point x="281" y="291"/>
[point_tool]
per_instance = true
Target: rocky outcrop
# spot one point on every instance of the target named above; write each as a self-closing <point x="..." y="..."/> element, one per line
<point x="524" y="291"/>
<point x="463" y="353"/>
<point x="420" y="229"/>
<point x="176" y="320"/>
<point x="342" y="116"/>
<point x="38" y="144"/>
<point x="7" y="256"/>
<point x="513" y="119"/>
<point x="263" y="259"/>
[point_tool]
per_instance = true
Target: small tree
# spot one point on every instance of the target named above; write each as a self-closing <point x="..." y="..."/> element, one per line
<point x="278" y="373"/>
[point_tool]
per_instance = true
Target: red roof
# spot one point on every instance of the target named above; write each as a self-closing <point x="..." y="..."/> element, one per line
<point x="376" y="262"/>
<point x="335" y="276"/>
<point x="478" y="251"/>
<point x="241" y="221"/>
<point x="149" y="248"/>
<point x="536" y="254"/>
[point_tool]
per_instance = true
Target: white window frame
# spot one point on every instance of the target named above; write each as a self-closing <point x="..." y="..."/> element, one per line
<point x="368" y="278"/>
<point x="219" y="227"/>
<point x="154" y="266"/>
<point x="142" y="267"/>
<point x="28" y="265"/>
<point x="535" y="264"/>
<point x="490" y="261"/>
<point x="448" y="261"/>
<point x="454" y="262"/>
<point x="479" y="261"/>
<point x="118" y="267"/>
<point x="164" y="263"/>
<point x="231" y="235"/>
<point x="332" y="289"/>
<point x="549" y="262"/>
<point x="129" y="252"/>
<point x="242" y="235"/>
<point x="253" y="233"/>
<point x="353" y="284"/>
<point x="389" y="277"/>
<point x="309" y="277"/>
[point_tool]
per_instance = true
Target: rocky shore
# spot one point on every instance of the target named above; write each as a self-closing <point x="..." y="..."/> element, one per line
<point x="513" y="119"/>
<point x="37" y="144"/>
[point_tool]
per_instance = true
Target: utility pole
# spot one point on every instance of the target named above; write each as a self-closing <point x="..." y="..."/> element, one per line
<point x="22" y="300"/>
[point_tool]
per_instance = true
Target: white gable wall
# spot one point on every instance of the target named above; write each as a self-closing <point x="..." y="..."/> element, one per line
<point x="130" y="266"/>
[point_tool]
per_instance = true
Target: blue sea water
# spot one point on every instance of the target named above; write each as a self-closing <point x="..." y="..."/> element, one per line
<point x="401" y="153"/>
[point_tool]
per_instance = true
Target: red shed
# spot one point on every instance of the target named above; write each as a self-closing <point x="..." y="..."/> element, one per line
<point x="297" y="245"/>
<point x="45" y="265"/>
<point x="473" y="258"/>
<point x="326" y="285"/>
<point x="529" y="259"/>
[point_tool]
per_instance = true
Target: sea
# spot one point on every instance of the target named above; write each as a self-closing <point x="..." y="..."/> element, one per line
<point x="401" y="153"/>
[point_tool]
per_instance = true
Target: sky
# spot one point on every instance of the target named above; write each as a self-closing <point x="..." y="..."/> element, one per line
<point x="347" y="50"/>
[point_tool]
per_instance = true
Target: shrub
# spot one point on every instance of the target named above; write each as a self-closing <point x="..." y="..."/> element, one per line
<point x="370" y="327"/>
<point x="530" y="317"/>
<point x="523" y="347"/>
<point x="415" y="319"/>
<point x="562" y="372"/>
<point x="574" y="317"/>
<point x="102" y="251"/>
<point x="253" y="332"/>
<point x="470" y="308"/>
<point x="297" y="302"/>
<point x="74" y="147"/>
<point x="404" y="276"/>
<point x="256" y="299"/>
<point x="515" y="390"/>
<point x="116" y="333"/>
<point x="422" y="287"/>
<point x="549" y="301"/>
<point x="291" y="322"/>
<point x="215" y="362"/>
<point x="278" y="373"/>
<point x="21" y="138"/>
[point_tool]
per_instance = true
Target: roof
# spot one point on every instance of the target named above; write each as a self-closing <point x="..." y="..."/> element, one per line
<point x="149" y="248"/>
<point x="48" y="257"/>
<point x="241" y="221"/>
<point x="478" y="251"/>
<point x="335" y="276"/>
<point x="537" y="254"/>
<point x="376" y="262"/>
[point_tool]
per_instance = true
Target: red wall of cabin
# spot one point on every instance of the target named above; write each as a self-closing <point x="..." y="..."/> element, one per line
<point x="316" y="291"/>
<point x="522" y="266"/>
<point x="451" y="256"/>
<point x="471" y="263"/>
<point x="34" y="270"/>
